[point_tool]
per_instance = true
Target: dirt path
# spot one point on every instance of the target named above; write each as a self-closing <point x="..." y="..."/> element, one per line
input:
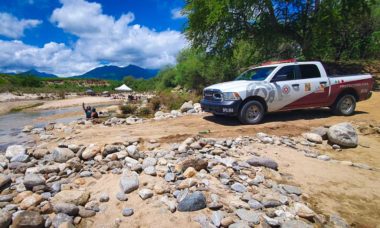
<point x="332" y="188"/>
<point x="75" y="102"/>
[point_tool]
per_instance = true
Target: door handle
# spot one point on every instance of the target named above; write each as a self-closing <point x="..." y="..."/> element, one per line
<point x="295" y="85"/>
<point x="323" y="83"/>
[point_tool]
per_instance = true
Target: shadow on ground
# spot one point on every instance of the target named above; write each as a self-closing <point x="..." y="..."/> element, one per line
<point x="308" y="114"/>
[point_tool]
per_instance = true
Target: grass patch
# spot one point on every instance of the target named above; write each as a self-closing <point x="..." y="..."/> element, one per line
<point x="21" y="108"/>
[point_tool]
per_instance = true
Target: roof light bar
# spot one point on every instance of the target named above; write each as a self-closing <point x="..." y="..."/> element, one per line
<point x="279" y="61"/>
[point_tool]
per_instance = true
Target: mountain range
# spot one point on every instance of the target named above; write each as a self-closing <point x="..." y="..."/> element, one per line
<point x="103" y="72"/>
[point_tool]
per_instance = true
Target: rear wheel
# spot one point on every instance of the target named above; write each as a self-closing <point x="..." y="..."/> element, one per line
<point x="252" y="112"/>
<point x="345" y="105"/>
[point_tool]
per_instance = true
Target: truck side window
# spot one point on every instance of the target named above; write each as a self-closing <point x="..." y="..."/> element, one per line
<point x="286" y="73"/>
<point x="309" y="71"/>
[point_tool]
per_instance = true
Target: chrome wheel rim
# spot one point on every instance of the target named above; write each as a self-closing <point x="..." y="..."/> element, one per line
<point x="347" y="105"/>
<point x="253" y="112"/>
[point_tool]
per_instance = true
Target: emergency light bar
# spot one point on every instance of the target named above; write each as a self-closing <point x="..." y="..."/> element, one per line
<point x="280" y="61"/>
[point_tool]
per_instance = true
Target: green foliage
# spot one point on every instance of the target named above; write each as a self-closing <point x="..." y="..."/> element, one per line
<point x="128" y="109"/>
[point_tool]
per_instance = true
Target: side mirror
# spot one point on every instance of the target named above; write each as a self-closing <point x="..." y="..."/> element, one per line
<point x="279" y="78"/>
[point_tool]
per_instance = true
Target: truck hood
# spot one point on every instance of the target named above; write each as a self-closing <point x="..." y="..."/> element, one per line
<point x="233" y="86"/>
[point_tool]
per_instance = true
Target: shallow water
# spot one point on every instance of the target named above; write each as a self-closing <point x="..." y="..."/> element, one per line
<point x="11" y="124"/>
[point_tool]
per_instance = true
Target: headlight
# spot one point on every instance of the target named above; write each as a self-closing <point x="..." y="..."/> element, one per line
<point x="231" y="96"/>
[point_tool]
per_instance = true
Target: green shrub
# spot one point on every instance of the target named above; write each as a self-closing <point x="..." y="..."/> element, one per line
<point x="128" y="109"/>
<point x="144" y="112"/>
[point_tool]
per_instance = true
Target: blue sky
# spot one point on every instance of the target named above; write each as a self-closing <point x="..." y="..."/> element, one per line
<point x="69" y="37"/>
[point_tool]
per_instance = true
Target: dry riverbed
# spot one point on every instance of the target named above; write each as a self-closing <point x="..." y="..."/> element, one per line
<point x="325" y="184"/>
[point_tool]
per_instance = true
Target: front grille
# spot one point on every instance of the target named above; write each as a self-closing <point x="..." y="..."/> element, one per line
<point x="212" y="95"/>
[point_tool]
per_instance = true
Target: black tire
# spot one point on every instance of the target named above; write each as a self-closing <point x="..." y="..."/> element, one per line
<point x="252" y="112"/>
<point x="344" y="105"/>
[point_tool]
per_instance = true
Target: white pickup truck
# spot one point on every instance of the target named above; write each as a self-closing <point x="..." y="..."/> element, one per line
<point x="285" y="85"/>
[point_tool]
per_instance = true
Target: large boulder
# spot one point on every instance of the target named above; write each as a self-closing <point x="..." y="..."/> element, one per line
<point x="129" y="182"/>
<point x="77" y="197"/>
<point x="15" y="150"/>
<point x="343" y="134"/>
<point x="62" y="155"/>
<point x="30" y="219"/>
<point x="192" y="202"/>
<point x="90" y="151"/>
<point x="262" y="161"/>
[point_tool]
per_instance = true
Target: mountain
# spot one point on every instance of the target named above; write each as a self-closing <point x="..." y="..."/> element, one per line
<point x="36" y="73"/>
<point x="118" y="73"/>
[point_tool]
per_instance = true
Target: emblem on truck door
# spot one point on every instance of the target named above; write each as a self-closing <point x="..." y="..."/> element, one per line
<point x="285" y="89"/>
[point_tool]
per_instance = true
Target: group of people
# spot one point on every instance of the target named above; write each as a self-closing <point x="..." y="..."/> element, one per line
<point x="90" y="112"/>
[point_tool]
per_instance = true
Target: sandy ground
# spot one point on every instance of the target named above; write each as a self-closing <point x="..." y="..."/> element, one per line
<point x="75" y="102"/>
<point x="332" y="188"/>
<point x="7" y="106"/>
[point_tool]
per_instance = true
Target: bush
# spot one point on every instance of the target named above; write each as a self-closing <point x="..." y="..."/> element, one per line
<point x="173" y="101"/>
<point x="128" y="109"/>
<point x="144" y="111"/>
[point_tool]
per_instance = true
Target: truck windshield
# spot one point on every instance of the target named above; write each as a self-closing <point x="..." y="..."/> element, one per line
<point x="256" y="74"/>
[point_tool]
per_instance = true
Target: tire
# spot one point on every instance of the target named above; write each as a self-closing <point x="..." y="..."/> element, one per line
<point x="252" y="112"/>
<point x="345" y="105"/>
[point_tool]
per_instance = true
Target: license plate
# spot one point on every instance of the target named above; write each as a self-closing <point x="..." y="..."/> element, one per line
<point x="227" y="110"/>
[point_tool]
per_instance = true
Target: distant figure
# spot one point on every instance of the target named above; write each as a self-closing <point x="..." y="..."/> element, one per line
<point x="87" y="111"/>
<point x="94" y="114"/>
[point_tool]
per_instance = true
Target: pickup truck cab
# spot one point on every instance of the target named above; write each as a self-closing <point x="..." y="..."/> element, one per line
<point x="285" y="85"/>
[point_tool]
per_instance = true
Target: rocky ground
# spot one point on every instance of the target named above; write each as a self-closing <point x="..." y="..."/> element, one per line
<point x="185" y="168"/>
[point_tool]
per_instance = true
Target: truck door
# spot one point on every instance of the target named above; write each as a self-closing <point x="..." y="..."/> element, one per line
<point x="288" y="89"/>
<point x="314" y="86"/>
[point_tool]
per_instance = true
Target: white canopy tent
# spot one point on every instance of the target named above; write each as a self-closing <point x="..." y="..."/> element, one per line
<point x="123" y="88"/>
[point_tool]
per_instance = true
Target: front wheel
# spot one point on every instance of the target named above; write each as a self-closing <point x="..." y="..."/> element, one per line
<point x="252" y="112"/>
<point x="345" y="105"/>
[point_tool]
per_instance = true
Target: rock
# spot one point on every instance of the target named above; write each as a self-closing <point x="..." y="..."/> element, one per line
<point x="92" y="205"/>
<point x="323" y="157"/>
<point x="321" y="131"/>
<point x="61" y="155"/>
<point x="197" y="163"/>
<point x="189" y="172"/>
<point x="31" y="201"/>
<point x="338" y="222"/>
<point x="90" y="151"/>
<point x="237" y="187"/>
<point x="271" y="203"/>
<point x="312" y="137"/>
<point x="262" y="161"/>
<point x="343" y="134"/>
<point x="28" y="219"/>
<point x="40" y="153"/>
<point x="31" y="180"/>
<point x="76" y="197"/>
<point x="183" y="148"/>
<point x="66" y="208"/>
<point x="110" y="149"/>
<point x="5" y="181"/>
<point x="227" y="221"/>
<point x="27" y="128"/>
<point x="150" y="170"/>
<point x="21" y="196"/>
<point x="303" y="211"/>
<point x="186" y="106"/>
<point x="127" y="212"/>
<point x="216" y="218"/>
<point x="67" y="224"/>
<point x="129" y="182"/>
<point x="192" y="202"/>
<point x="20" y="158"/>
<point x="104" y="197"/>
<point x="61" y="218"/>
<point x="149" y="162"/>
<point x="295" y="224"/>
<point x="170" y="177"/>
<point x="249" y="216"/>
<point x="73" y="147"/>
<point x="291" y="189"/>
<point x="271" y="221"/>
<point x="170" y="203"/>
<point x="145" y="193"/>
<point x="5" y="219"/>
<point x="121" y="196"/>
<point x="14" y="150"/>
<point x="133" y="151"/>
<point x="6" y="198"/>
<point x="84" y="213"/>
<point x="254" y="204"/>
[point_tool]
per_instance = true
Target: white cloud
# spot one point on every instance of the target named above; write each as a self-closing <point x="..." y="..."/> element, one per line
<point x="101" y="38"/>
<point x="12" y="27"/>
<point x="177" y="13"/>
<point x="15" y="56"/>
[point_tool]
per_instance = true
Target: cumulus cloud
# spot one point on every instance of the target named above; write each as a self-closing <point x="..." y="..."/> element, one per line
<point x="103" y="38"/>
<point x="15" y="56"/>
<point x="12" y="27"/>
<point x="177" y="13"/>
